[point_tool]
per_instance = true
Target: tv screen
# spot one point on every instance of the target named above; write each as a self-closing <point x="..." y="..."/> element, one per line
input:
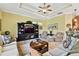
<point x="29" y="30"/>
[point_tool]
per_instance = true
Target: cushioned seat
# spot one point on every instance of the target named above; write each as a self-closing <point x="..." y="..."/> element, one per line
<point x="57" y="52"/>
<point x="10" y="50"/>
<point x="73" y="42"/>
<point x="75" y="54"/>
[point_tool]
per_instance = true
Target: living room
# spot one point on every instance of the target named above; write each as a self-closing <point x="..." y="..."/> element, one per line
<point x="46" y="26"/>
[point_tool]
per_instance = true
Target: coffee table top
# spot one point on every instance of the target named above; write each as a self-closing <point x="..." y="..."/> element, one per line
<point x="39" y="45"/>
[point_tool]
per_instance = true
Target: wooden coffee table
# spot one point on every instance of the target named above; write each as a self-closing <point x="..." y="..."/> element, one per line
<point x="40" y="46"/>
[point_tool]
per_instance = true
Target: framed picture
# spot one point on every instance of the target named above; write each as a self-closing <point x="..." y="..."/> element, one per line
<point x="53" y="26"/>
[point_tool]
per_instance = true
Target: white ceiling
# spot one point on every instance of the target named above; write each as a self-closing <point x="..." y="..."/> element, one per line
<point x="31" y="9"/>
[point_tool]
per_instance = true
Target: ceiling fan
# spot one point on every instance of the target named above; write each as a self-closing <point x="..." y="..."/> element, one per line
<point x="45" y="8"/>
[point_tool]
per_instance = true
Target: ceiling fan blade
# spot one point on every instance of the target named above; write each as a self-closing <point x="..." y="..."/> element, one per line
<point x="44" y="4"/>
<point x="49" y="9"/>
<point x="60" y="13"/>
<point x="48" y="6"/>
<point x="40" y="7"/>
<point x="20" y="5"/>
<point x="39" y="10"/>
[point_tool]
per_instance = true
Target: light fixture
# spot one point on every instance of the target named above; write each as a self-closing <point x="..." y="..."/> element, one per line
<point x="45" y="8"/>
<point x="75" y="20"/>
<point x="75" y="11"/>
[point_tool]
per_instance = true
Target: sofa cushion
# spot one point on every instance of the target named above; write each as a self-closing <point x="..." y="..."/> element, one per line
<point x="73" y="42"/>
<point x="10" y="50"/>
<point x="59" y="37"/>
<point x="57" y="52"/>
<point x="67" y="42"/>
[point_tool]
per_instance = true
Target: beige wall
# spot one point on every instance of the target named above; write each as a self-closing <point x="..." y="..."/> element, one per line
<point x="60" y="20"/>
<point x="9" y="22"/>
<point x="68" y="19"/>
<point x="0" y="15"/>
<point x="0" y="20"/>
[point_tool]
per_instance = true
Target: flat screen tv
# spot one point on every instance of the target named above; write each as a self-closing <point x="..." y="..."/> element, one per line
<point x="29" y="30"/>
